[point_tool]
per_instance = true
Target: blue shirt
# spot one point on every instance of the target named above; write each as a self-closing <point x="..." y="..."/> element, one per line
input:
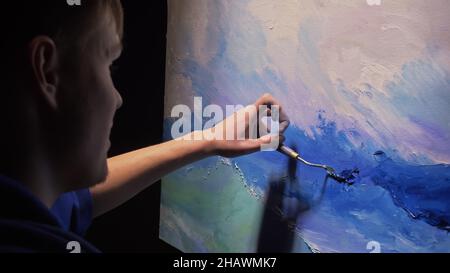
<point x="74" y="211"/>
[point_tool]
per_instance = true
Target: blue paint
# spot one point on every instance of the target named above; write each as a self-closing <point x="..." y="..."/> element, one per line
<point x="346" y="176"/>
<point x="423" y="192"/>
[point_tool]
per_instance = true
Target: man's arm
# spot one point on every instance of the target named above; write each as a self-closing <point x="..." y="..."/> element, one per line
<point x="131" y="173"/>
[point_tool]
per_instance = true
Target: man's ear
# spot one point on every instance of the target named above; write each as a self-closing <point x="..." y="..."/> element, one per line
<point x="43" y="56"/>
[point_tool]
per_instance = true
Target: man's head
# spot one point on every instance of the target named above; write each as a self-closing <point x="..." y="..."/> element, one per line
<point x="57" y="96"/>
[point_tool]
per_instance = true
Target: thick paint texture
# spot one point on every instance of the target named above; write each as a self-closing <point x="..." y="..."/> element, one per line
<point x="366" y="88"/>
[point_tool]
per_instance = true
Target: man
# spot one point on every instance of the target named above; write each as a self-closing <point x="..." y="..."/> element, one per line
<point x="57" y="108"/>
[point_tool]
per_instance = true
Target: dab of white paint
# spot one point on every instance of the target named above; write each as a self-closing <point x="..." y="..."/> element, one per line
<point x="374" y="2"/>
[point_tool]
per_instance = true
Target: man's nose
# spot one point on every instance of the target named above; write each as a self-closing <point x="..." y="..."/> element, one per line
<point x="119" y="100"/>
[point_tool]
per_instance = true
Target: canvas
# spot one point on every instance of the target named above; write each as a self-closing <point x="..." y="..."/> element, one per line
<point x="366" y="85"/>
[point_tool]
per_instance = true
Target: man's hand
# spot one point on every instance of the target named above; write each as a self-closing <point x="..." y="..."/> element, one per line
<point x="239" y="125"/>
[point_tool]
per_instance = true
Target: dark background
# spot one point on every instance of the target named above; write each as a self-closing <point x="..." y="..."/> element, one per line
<point x="134" y="227"/>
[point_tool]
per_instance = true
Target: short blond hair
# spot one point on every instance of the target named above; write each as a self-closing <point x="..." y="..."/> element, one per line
<point x="23" y="20"/>
<point x="54" y="18"/>
<point x="73" y="30"/>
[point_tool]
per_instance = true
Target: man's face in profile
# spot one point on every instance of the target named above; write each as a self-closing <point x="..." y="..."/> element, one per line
<point x="89" y="102"/>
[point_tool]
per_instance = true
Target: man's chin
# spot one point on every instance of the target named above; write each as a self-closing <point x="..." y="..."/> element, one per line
<point x="102" y="176"/>
<point x="94" y="179"/>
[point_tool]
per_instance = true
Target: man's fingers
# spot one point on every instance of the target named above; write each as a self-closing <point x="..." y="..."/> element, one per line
<point x="233" y="148"/>
<point x="283" y="126"/>
<point x="268" y="99"/>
